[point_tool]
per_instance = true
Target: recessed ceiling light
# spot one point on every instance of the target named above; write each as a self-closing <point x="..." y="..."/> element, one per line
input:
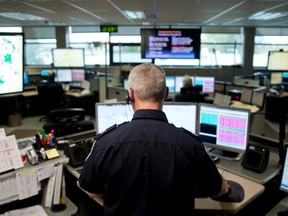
<point x="134" y="14"/>
<point x="267" y="16"/>
<point x="21" y="16"/>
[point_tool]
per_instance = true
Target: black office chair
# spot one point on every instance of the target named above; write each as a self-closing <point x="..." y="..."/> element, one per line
<point x="67" y="121"/>
<point x="191" y="94"/>
<point x="50" y="96"/>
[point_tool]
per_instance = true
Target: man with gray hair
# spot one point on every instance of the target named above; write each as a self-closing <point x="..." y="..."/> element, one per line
<point x="148" y="166"/>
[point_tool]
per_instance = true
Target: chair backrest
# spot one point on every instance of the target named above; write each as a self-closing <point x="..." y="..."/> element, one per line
<point x="67" y="121"/>
<point x="51" y="96"/>
<point x="66" y="115"/>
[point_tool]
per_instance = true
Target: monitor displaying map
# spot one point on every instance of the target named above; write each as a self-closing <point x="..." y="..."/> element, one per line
<point x="11" y="63"/>
<point x="68" y="57"/>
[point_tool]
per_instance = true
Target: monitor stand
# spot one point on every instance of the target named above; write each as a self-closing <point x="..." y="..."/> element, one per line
<point x="224" y="154"/>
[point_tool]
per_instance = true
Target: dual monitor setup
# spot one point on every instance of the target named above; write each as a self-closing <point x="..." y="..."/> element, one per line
<point x="65" y="75"/>
<point x="223" y="130"/>
<point x="204" y="83"/>
<point x="68" y="63"/>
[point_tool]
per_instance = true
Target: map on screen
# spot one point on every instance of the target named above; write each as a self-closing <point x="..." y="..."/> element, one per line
<point x="11" y="63"/>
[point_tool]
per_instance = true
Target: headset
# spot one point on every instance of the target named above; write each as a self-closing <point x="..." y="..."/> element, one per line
<point x="127" y="99"/>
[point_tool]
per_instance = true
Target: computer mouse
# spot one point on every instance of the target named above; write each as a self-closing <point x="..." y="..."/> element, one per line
<point x="235" y="193"/>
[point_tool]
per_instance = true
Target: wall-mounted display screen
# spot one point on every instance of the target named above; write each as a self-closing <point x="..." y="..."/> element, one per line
<point x="11" y="63"/>
<point x="68" y="57"/>
<point x="277" y="61"/>
<point x="170" y="43"/>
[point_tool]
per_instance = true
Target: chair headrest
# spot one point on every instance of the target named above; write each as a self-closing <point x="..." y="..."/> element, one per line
<point x="66" y="115"/>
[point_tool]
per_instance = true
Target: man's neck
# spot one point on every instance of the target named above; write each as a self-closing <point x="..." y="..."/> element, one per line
<point x="147" y="105"/>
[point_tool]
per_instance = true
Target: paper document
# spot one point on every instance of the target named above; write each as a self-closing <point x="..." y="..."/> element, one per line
<point x="10" y="157"/>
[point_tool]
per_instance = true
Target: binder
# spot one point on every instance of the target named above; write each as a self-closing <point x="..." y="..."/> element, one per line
<point x="57" y="185"/>
<point x="49" y="191"/>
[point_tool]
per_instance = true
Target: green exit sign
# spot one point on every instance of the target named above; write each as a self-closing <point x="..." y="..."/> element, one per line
<point x="109" y="28"/>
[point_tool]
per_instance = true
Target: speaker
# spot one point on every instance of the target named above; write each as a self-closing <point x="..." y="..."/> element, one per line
<point x="256" y="158"/>
<point x="77" y="153"/>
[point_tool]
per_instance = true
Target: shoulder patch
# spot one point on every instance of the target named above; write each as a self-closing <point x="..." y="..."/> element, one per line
<point x="108" y="130"/>
<point x="190" y="133"/>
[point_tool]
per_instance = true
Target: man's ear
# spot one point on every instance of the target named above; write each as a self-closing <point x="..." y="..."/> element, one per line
<point x="131" y="94"/>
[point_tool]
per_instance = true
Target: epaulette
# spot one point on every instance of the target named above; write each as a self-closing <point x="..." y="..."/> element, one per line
<point x="190" y="133"/>
<point x="108" y="130"/>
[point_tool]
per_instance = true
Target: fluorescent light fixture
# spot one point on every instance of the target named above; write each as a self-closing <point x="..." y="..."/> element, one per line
<point x="21" y="16"/>
<point x="267" y="16"/>
<point x="134" y="14"/>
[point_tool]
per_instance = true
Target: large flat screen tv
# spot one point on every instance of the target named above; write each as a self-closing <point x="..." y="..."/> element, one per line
<point x="277" y="61"/>
<point x="170" y="43"/>
<point x="11" y="63"/>
<point x="68" y="57"/>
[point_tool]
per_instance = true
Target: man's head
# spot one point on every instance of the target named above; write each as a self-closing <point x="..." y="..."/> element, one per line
<point x="187" y="81"/>
<point x="147" y="84"/>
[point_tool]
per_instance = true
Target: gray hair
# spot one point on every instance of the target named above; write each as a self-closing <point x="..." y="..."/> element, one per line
<point x="148" y="82"/>
<point x="187" y="81"/>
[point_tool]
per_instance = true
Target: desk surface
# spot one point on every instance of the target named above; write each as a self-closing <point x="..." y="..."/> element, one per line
<point x="251" y="190"/>
<point x="71" y="209"/>
<point x="235" y="167"/>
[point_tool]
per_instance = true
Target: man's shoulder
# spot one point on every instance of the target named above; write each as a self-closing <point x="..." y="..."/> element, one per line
<point x="190" y="134"/>
<point x="109" y="130"/>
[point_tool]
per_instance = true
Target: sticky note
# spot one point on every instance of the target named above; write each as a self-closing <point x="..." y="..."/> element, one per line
<point x="52" y="153"/>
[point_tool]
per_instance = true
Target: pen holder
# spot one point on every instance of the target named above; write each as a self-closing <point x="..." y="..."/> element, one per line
<point x="44" y="140"/>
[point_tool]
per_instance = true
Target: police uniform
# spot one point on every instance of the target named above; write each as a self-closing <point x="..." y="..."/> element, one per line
<point x="149" y="167"/>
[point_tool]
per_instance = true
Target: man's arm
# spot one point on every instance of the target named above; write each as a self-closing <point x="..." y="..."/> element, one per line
<point x="224" y="188"/>
<point x="99" y="198"/>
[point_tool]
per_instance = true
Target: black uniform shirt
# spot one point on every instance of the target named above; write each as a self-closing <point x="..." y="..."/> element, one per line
<point x="149" y="167"/>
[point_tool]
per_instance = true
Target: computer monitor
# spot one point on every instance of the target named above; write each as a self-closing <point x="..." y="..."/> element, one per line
<point x="182" y="114"/>
<point x="68" y="57"/>
<point x="125" y="84"/>
<point x="179" y="82"/>
<point x="11" y="63"/>
<point x="78" y="75"/>
<point x="26" y="78"/>
<point x="223" y="130"/>
<point x="277" y="61"/>
<point x="276" y="78"/>
<point x="64" y="75"/>
<point x="45" y="76"/>
<point x="206" y="84"/>
<point x="284" y="178"/>
<point x="170" y="82"/>
<point x="108" y="114"/>
<point x="285" y="78"/>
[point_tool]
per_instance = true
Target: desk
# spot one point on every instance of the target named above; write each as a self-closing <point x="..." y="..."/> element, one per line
<point x="27" y="167"/>
<point x="251" y="189"/>
<point x="235" y="167"/>
<point x="71" y="209"/>
<point x="29" y="93"/>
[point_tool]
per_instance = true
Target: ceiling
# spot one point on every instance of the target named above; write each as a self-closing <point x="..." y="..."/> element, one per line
<point x="160" y="12"/>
